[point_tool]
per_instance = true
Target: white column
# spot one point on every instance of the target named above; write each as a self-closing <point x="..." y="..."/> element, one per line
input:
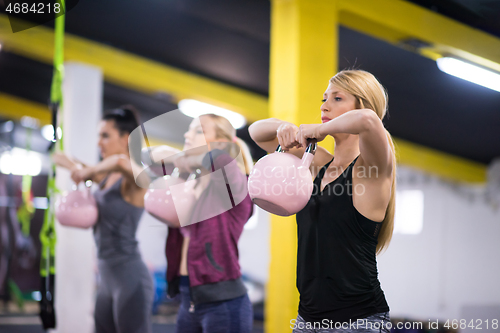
<point x="75" y="250"/>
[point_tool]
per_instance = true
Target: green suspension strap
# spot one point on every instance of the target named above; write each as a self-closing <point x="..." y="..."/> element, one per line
<point x="26" y="209"/>
<point x="48" y="232"/>
<point x="48" y="235"/>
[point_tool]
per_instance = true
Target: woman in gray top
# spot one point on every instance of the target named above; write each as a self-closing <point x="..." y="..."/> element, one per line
<point x="125" y="294"/>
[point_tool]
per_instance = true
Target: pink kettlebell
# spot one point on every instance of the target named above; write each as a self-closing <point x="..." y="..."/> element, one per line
<point x="159" y="202"/>
<point x="77" y="209"/>
<point x="282" y="183"/>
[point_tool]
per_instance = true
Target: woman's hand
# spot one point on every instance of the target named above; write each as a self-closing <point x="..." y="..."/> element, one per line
<point x="286" y="135"/>
<point x="309" y="131"/>
<point x="81" y="174"/>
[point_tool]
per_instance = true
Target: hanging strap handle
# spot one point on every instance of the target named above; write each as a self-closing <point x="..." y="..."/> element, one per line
<point x="48" y="232"/>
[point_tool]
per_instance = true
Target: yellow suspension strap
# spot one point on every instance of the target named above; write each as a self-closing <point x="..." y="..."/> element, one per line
<point x="48" y="232"/>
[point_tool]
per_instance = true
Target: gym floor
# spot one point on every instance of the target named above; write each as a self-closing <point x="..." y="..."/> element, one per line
<point x="12" y="321"/>
<point x="157" y="328"/>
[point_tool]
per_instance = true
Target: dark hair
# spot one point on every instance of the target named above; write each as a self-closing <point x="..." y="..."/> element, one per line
<point x="125" y="117"/>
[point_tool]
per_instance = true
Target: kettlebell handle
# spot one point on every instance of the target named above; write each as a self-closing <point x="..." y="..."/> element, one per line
<point x="311" y="147"/>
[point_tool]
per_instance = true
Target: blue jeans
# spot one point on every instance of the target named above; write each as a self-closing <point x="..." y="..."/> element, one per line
<point x="230" y="316"/>
<point x="376" y="323"/>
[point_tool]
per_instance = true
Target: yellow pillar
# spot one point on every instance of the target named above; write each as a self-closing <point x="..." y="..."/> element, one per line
<point x="304" y="40"/>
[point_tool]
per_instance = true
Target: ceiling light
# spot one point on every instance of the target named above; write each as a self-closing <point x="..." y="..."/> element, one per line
<point x="193" y="108"/>
<point x="21" y="162"/>
<point x="48" y="132"/>
<point x="470" y="72"/>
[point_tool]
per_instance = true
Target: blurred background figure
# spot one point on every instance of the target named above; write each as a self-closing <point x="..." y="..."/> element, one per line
<point x="125" y="294"/>
<point x="202" y="254"/>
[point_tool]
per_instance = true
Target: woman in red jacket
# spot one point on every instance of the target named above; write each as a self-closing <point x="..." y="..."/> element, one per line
<point x="203" y="256"/>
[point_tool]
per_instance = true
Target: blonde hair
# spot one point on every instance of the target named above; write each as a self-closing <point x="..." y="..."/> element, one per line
<point x="370" y="94"/>
<point x="224" y="130"/>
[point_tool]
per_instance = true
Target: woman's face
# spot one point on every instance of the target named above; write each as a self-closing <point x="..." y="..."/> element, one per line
<point x="336" y="102"/>
<point x="110" y="141"/>
<point x="200" y="132"/>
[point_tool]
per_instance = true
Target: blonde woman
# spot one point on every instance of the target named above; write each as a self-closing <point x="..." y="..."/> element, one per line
<point x="203" y="256"/>
<point x="349" y="217"/>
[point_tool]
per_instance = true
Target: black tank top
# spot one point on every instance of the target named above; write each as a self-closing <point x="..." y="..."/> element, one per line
<point x="337" y="274"/>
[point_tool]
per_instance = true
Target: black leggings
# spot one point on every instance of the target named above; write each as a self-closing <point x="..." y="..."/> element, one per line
<point x="124" y="298"/>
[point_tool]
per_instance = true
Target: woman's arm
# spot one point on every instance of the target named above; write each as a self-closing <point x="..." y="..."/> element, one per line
<point x="157" y="154"/>
<point x="373" y="142"/>
<point x="61" y="160"/>
<point x="114" y="163"/>
<point x="271" y="132"/>
<point x="263" y="132"/>
<point x="225" y="182"/>
<point x="72" y="164"/>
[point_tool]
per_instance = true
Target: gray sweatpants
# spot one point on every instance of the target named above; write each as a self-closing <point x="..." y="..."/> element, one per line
<point x="124" y="298"/>
<point x="377" y="323"/>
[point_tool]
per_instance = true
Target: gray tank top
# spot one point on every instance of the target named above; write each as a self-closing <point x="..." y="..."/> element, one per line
<point x="114" y="232"/>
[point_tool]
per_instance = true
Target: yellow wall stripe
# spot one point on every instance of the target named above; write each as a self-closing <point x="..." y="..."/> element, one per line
<point x="15" y="108"/>
<point x="435" y="162"/>
<point x="132" y="71"/>
<point x="395" y="20"/>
